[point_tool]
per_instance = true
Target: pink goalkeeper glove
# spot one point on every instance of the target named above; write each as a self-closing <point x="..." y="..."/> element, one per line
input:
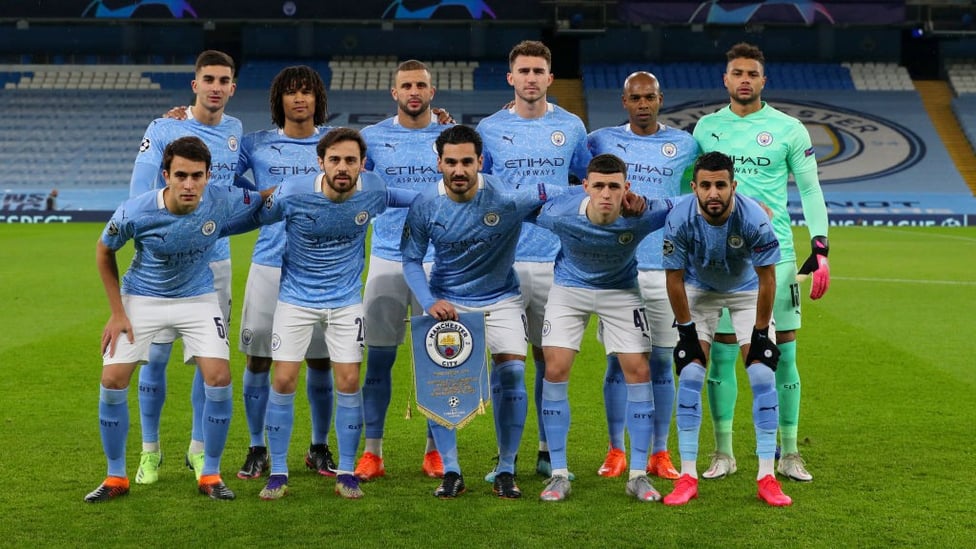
<point x="818" y="266"/>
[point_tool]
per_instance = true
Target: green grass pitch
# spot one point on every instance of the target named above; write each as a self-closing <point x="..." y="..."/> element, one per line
<point x="887" y="428"/>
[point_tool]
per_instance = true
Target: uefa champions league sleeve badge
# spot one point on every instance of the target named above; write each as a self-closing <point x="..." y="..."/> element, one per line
<point x="450" y="368"/>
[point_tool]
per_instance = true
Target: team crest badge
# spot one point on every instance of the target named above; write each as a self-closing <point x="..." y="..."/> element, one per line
<point x="247" y="336"/>
<point x="113" y="228"/>
<point x="625" y="238"/>
<point x="232" y="143"/>
<point x="208" y="228"/>
<point x="668" y="247"/>
<point x="491" y="219"/>
<point x="144" y="146"/>
<point x="764" y="139"/>
<point x="449" y="344"/>
<point x="670" y="150"/>
<point x="362" y="217"/>
<point x="735" y="241"/>
<point x="275" y="342"/>
<point x="546" y="328"/>
<point x="558" y="138"/>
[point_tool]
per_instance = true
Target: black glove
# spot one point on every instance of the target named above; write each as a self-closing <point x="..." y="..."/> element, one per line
<point x="688" y="348"/>
<point x="761" y="349"/>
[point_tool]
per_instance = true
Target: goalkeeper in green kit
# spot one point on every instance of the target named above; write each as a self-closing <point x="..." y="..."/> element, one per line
<point x="766" y="146"/>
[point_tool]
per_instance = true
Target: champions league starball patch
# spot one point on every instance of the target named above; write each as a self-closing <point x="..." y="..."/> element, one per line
<point x="113" y="228"/>
<point x="208" y="228"/>
<point x="144" y="146"/>
<point x="668" y="247"/>
<point x="362" y="217"/>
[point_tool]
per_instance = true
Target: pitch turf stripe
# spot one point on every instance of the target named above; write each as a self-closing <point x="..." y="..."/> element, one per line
<point x="905" y="281"/>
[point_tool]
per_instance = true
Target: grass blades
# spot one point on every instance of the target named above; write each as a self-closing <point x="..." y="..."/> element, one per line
<point x="886" y="427"/>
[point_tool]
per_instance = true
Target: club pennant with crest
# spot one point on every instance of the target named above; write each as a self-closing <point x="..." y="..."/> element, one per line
<point x="450" y="368"/>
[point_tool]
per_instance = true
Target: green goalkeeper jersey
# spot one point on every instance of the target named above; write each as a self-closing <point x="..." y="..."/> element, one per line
<point x="766" y="147"/>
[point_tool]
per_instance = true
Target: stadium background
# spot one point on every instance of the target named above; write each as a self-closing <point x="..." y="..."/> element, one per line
<point x="906" y="70"/>
<point x="888" y="417"/>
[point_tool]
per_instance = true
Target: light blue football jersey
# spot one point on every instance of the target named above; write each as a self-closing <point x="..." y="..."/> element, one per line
<point x="598" y="256"/>
<point x="720" y="258"/>
<point x="172" y="251"/>
<point x="525" y="152"/>
<point x="405" y="158"/>
<point x="657" y="164"/>
<point x="273" y="158"/>
<point x="223" y="140"/>
<point x="326" y="241"/>
<point x="474" y="242"/>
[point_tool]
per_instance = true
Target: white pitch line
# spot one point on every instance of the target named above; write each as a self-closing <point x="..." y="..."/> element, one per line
<point x="930" y="234"/>
<point x="906" y="281"/>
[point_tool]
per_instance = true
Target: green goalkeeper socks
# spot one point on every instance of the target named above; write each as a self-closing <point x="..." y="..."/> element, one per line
<point x="788" y="392"/>
<point x="722" y="393"/>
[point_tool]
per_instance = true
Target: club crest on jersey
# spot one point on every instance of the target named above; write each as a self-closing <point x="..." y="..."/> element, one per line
<point x="546" y="328"/>
<point x="491" y="219"/>
<point x="232" y="143"/>
<point x="275" y="342"/>
<point x="668" y="247"/>
<point x="558" y="138"/>
<point x="669" y="150"/>
<point x="625" y="238"/>
<point x="247" y="336"/>
<point x="449" y="343"/>
<point x="362" y="217"/>
<point x="735" y="241"/>
<point x="113" y="228"/>
<point x="208" y="228"/>
<point x="764" y="139"/>
<point x="144" y="146"/>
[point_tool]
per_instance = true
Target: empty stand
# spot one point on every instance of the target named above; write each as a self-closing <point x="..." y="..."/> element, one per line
<point x="780" y="76"/>
<point x="880" y="76"/>
<point x="376" y="73"/>
<point x="73" y="137"/>
<point x="961" y="74"/>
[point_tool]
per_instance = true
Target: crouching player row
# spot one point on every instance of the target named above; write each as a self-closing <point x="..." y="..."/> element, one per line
<point x="169" y="287"/>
